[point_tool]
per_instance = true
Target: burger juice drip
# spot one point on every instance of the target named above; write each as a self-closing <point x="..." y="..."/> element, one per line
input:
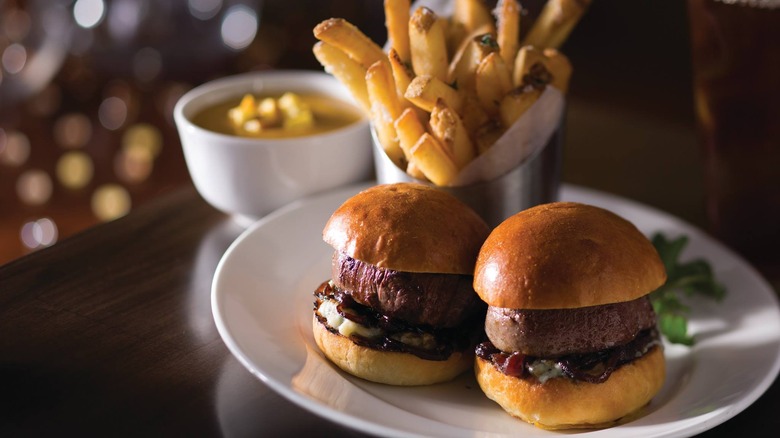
<point x="382" y="332"/>
<point x="595" y="367"/>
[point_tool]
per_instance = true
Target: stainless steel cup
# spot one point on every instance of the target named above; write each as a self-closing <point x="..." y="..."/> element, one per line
<point x="535" y="181"/>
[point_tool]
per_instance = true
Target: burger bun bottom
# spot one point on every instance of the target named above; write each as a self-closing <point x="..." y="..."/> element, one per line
<point x="562" y="403"/>
<point x="392" y="368"/>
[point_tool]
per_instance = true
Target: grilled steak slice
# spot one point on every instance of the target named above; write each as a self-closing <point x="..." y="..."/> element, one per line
<point x="439" y="300"/>
<point x="551" y="333"/>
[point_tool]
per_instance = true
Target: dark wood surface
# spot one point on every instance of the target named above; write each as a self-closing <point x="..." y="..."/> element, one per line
<point x="111" y="331"/>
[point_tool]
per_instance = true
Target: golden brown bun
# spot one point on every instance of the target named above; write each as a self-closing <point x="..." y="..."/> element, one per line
<point x="562" y="403"/>
<point x="388" y="367"/>
<point x="566" y="255"/>
<point x="408" y="227"/>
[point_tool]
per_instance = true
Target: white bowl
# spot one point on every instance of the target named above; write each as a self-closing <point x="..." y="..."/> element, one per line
<point x="250" y="177"/>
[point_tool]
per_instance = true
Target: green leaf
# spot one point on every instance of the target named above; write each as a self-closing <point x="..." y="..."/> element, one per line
<point x="687" y="279"/>
<point x="675" y="328"/>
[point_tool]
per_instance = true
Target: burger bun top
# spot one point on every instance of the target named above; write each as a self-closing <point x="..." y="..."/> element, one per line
<point x="566" y="255"/>
<point x="408" y="227"/>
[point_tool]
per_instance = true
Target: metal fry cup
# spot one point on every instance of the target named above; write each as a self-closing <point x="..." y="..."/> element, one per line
<point x="535" y="181"/>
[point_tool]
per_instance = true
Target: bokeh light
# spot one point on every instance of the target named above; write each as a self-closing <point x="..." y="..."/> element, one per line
<point x="14" y="148"/>
<point x="112" y="113"/>
<point x="74" y="170"/>
<point x="39" y="233"/>
<point x="34" y="187"/>
<point x="110" y="201"/>
<point x="72" y="130"/>
<point x="134" y="164"/>
<point x="204" y="9"/>
<point x="88" y="13"/>
<point x="239" y="27"/>
<point x="144" y="136"/>
<point x="14" y="58"/>
<point x="124" y="18"/>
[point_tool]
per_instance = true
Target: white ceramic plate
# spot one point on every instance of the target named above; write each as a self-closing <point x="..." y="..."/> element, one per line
<point x="262" y="303"/>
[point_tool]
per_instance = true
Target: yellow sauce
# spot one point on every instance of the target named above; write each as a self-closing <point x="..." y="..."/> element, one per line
<point x="329" y="114"/>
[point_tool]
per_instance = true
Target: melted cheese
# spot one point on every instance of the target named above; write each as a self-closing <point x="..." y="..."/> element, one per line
<point x="344" y="326"/>
<point x="544" y="369"/>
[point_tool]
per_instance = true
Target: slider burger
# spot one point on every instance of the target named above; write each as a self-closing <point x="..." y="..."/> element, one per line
<point x="572" y="339"/>
<point x="400" y="308"/>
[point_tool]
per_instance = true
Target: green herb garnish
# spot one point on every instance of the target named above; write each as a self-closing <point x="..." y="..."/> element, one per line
<point x="690" y="278"/>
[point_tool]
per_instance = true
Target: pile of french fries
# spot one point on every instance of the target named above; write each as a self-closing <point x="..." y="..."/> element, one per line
<point x="448" y="87"/>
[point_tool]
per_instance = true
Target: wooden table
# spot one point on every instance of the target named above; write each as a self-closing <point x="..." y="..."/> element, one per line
<point x="111" y="332"/>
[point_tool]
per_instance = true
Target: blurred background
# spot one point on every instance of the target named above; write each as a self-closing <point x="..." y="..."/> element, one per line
<point x="87" y="89"/>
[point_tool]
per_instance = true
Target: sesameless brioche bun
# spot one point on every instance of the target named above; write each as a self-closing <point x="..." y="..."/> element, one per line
<point x="566" y="404"/>
<point x="408" y="227"/>
<point x="566" y="255"/>
<point x="388" y="367"/>
<point x="415" y="229"/>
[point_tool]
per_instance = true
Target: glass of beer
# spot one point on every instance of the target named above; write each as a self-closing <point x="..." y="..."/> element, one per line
<point x="736" y="77"/>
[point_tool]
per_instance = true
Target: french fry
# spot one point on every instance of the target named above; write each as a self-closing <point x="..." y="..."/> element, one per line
<point x="434" y="160"/>
<point x="385" y="107"/>
<point x="516" y="103"/>
<point x="424" y="91"/>
<point x="507" y="14"/>
<point x="526" y="58"/>
<point x="487" y="135"/>
<point x="397" y="24"/>
<point x="539" y="68"/>
<point x="447" y="127"/>
<point x="555" y="22"/>
<point x="473" y="115"/>
<point x="485" y="44"/>
<point x="456" y="33"/>
<point x="401" y="73"/>
<point x="560" y="68"/>
<point x="344" y="35"/>
<point x="492" y="82"/>
<point x="463" y="66"/>
<point x="345" y="69"/>
<point x="473" y="14"/>
<point x="415" y="172"/>
<point x="409" y="129"/>
<point x="428" y="44"/>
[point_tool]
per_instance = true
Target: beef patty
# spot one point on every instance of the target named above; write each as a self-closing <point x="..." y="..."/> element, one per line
<point x="439" y="300"/>
<point x="552" y="333"/>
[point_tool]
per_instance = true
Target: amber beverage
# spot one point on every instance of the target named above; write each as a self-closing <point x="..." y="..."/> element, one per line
<point x="736" y="67"/>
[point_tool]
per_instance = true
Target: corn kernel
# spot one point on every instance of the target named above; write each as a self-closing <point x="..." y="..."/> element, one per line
<point x="269" y="112"/>
<point x="291" y="103"/>
<point x="253" y="126"/>
<point x="297" y="114"/>
<point x="303" y="119"/>
<point x="245" y="110"/>
<point x="248" y="106"/>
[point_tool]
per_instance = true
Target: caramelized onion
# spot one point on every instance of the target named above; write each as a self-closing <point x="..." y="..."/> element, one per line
<point x="590" y="367"/>
<point x="447" y="340"/>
